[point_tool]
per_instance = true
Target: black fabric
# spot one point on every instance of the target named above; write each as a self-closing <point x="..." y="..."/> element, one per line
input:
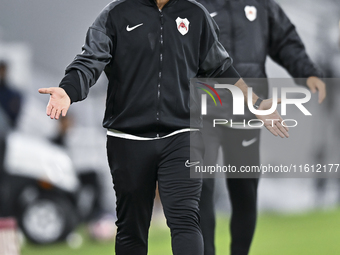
<point x="10" y="102"/>
<point x="242" y="192"/>
<point x="149" y="67"/>
<point x="285" y="46"/>
<point x="249" y="42"/>
<point x="71" y="84"/>
<point x="207" y="212"/>
<point x="243" y="197"/>
<point x="231" y="73"/>
<point x="136" y="166"/>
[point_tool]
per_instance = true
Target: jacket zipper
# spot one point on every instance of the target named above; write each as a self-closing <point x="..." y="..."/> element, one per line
<point x="161" y="40"/>
<point x="231" y="50"/>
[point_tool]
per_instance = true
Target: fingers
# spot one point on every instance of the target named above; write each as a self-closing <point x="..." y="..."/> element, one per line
<point x="285" y="129"/>
<point x="317" y="85"/>
<point x="322" y="93"/>
<point x="313" y="89"/>
<point x="271" y="129"/>
<point x="281" y="130"/>
<point x="64" y="112"/>
<point x="58" y="104"/>
<point x="277" y="129"/>
<point x="55" y="113"/>
<point x="275" y="124"/>
<point x="321" y="87"/>
<point x="322" y="97"/>
<point x="46" y="90"/>
<point x="49" y="109"/>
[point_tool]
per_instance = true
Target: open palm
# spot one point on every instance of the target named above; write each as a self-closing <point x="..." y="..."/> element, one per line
<point x="59" y="102"/>
<point x="272" y="121"/>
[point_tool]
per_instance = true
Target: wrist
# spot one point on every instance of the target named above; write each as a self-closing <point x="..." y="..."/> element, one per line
<point x="71" y="92"/>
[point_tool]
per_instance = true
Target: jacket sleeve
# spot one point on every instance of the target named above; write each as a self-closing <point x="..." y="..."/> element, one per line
<point x="86" y="68"/>
<point x="285" y="45"/>
<point x="214" y="59"/>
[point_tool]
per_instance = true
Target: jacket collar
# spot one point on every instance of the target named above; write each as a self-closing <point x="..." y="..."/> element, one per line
<point x="153" y="2"/>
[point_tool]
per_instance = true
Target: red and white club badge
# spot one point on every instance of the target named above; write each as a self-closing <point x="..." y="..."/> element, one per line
<point x="251" y="12"/>
<point x="182" y="25"/>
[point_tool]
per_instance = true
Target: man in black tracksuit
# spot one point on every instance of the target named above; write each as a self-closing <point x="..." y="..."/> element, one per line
<point x="249" y="30"/>
<point x="149" y="51"/>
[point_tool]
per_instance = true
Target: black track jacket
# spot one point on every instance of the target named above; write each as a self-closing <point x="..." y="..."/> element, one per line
<point x="251" y="30"/>
<point x="149" y="56"/>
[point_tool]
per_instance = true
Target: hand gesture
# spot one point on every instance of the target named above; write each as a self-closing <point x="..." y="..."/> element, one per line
<point x="59" y="102"/>
<point x="315" y="84"/>
<point x="273" y="121"/>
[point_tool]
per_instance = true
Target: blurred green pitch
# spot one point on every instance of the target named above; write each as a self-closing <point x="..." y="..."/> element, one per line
<point x="307" y="234"/>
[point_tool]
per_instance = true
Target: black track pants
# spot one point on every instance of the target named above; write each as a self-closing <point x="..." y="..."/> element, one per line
<point x="242" y="192"/>
<point x="135" y="168"/>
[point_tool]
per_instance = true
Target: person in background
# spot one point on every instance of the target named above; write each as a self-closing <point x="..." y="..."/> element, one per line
<point x="10" y="98"/>
<point x="250" y="30"/>
<point x="10" y="105"/>
<point x="329" y="37"/>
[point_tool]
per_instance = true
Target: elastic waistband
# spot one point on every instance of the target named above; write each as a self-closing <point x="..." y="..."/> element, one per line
<point x="116" y="133"/>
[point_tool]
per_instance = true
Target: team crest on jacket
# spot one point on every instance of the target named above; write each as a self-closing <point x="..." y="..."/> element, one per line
<point x="251" y="12"/>
<point x="182" y="25"/>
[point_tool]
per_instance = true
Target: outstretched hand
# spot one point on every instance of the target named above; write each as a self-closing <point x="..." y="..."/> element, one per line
<point x="59" y="102"/>
<point x="315" y="84"/>
<point x="273" y="121"/>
